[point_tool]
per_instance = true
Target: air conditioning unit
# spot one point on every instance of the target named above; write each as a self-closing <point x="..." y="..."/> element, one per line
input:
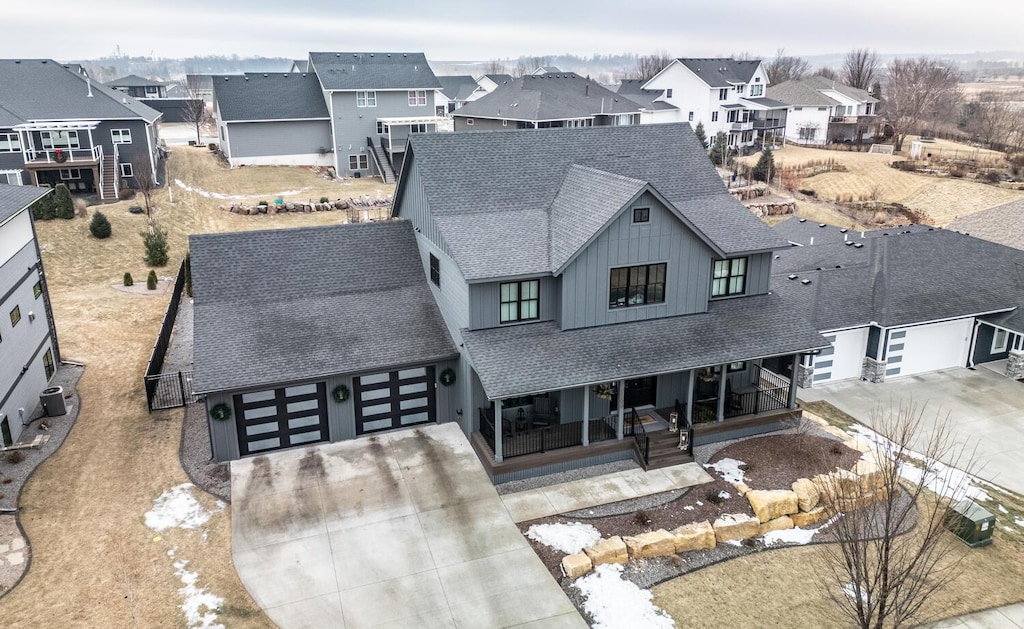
<point x="322" y="150"/>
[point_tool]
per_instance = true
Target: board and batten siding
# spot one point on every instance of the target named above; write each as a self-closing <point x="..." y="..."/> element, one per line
<point x="485" y="303"/>
<point x="414" y="207"/>
<point x="585" y="282"/>
<point x="282" y="141"/>
<point x="759" y="273"/>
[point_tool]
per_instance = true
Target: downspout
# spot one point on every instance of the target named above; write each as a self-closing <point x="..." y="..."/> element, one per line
<point x="974" y="342"/>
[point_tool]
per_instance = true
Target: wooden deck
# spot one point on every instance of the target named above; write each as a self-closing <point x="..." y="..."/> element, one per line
<point x="548" y="458"/>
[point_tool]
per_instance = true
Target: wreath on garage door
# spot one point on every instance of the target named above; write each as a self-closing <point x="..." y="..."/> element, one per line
<point x="448" y="377"/>
<point x="340" y="393"/>
<point x="220" y="412"/>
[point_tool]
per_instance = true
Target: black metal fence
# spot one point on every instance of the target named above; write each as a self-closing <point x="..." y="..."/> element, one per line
<point x="539" y="439"/>
<point x="160" y="387"/>
<point x="635" y="428"/>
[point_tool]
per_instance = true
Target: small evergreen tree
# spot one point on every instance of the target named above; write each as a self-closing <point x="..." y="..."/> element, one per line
<point x="188" y="273"/>
<point x="702" y="135"/>
<point x="151" y="280"/>
<point x="128" y="281"/>
<point x="720" y="149"/>
<point x="765" y="168"/>
<point x="63" y="207"/>
<point x="42" y="210"/>
<point x="155" y="241"/>
<point x="100" y="227"/>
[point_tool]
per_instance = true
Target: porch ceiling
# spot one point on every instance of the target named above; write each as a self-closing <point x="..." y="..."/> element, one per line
<point x="533" y="358"/>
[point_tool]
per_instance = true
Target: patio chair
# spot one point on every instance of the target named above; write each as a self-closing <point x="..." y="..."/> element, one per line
<point x="542" y="413"/>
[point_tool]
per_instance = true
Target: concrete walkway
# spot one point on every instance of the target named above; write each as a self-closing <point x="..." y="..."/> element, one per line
<point x="601" y="490"/>
<point x="397" y="530"/>
<point x="1008" y="617"/>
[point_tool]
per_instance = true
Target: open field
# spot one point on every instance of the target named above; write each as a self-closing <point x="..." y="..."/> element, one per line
<point x="869" y="176"/>
<point x="95" y="563"/>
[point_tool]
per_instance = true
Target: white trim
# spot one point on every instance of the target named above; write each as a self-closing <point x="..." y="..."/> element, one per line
<point x="13" y="171"/>
<point x="121" y="133"/>
<point x="274" y="120"/>
<point x="915" y="324"/>
<point x="131" y="170"/>
<point x="432" y="88"/>
<point x="999" y="348"/>
<point x="57" y="125"/>
<point x="152" y="159"/>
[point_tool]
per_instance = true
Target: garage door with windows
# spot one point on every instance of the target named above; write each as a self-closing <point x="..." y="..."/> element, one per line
<point x="385" y="401"/>
<point x="280" y="418"/>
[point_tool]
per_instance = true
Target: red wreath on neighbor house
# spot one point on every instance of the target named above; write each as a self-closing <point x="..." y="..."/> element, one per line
<point x="60" y="156"/>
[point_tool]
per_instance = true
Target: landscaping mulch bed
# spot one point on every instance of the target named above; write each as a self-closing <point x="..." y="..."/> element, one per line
<point x="776" y="461"/>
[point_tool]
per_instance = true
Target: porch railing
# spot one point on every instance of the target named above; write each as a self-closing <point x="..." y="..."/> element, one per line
<point x="543" y="438"/>
<point x="635" y="428"/>
<point x="49" y="156"/>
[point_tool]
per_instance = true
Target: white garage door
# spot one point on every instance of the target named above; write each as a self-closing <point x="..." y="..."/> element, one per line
<point x="844" y="359"/>
<point x="928" y="347"/>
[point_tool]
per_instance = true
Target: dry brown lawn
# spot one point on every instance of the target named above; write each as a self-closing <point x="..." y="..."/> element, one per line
<point x="94" y="561"/>
<point x="869" y="176"/>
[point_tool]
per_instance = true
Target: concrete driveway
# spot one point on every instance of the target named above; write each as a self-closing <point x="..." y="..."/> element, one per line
<point x="985" y="408"/>
<point x="396" y="530"/>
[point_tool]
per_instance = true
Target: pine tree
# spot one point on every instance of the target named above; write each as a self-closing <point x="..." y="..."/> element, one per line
<point x="42" y="210"/>
<point x="99" y="226"/>
<point x="155" y="241"/>
<point x="702" y="135"/>
<point x="128" y="281"/>
<point x="151" y="280"/>
<point x="720" y="149"/>
<point x="765" y="168"/>
<point x="62" y="204"/>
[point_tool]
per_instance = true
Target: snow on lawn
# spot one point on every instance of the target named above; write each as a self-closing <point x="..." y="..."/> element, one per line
<point x="728" y="469"/>
<point x="795" y="536"/>
<point x="724" y="495"/>
<point x="1002" y="509"/>
<point x="569" y="538"/>
<point x="940" y="478"/>
<point x="233" y="197"/>
<point x="197" y="599"/>
<point x="614" y="602"/>
<point x="178" y="508"/>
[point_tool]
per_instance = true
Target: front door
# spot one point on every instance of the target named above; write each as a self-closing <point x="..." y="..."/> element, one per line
<point x="639" y="392"/>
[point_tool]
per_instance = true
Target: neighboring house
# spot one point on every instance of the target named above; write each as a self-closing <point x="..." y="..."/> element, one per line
<point x="533" y="271"/>
<point x="653" y="109"/>
<point x="28" y="339"/>
<point x="273" y="119"/>
<point x="372" y="103"/>
<point x="139" y="87"/>
<point x="201" y="86"/>
<point x="300" y="66"/>
<point x="57" y="126"/>
<point x="820" y="110"/>
<point x="902" y="301"/>
<point x="1003" y="224"/>
<point x="547" y="101"/>
<point x="727" y="95"/>
<point x="176" y="106"/>
<point x="491" y="82"/>
<point x="456" y="91"/>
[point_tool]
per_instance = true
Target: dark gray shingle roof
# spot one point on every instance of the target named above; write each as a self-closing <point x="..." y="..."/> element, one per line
<point x="269" y="96"/>
<point x="633" y="90"/>
<point x="548" y="97"/>
<point x="807" y="92"/>
<point x="491" y="192"/>
<point x="14" y="199"/>
<point x="718" y="72"/>
<point x="134" y="80"/>
<point x="373" y="70"/>
<point x="298" y="304"/>
<point x="499" y="78"/>
<point x="526" y="359"/>
<point x="1003" y="224"/>
<point x="42" y="89"/>
<point x="458" y="87"/>
<point x="801" y="231"/>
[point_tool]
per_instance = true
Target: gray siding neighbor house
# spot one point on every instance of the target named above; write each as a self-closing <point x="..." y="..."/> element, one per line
<point x="56" y="125"/>
<point x="29" y="352"/>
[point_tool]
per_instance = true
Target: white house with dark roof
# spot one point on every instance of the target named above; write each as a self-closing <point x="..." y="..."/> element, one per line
<point x="29" y="353"/>
<point x="456" y="91"/>
<point x="58" y="126"/>
<point x="726" y="95"/>
<point x="820" y="110"/>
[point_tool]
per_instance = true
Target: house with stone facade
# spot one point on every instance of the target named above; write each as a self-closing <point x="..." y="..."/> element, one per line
<point x="901" y="301"/>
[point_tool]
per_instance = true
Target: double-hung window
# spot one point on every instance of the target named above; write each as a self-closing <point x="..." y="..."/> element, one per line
<point x="59" y="139"/>
<point x="723" y="93"/>
<point x="366" y="99"/>
<point x="121" y="136"/>
<point x="435" y="270"/>
<point x="729" y="277"/>
<point x="520" y="301"/>
<point x="417" y="98"/>
<point x="756" y="90"/>
<point x="10" y="142"/>
<point x="358" y="161"/>
<point x="999" y="341"/>
<point x="637" y="285"/>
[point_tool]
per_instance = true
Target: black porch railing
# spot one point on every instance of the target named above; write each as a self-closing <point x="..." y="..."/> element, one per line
<point x="770" y="393"/>
<point x="635" y="428"/>
<point x="537" y="439"/>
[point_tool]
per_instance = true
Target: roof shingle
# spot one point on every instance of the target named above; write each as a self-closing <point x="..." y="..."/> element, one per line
<point x="373" y="70"/>
<point x="269" y="96"/>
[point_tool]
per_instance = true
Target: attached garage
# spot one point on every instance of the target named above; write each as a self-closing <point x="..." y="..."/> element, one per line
<point x="930" y="347"/>
<point x="844" y="359"/>
<point x="395" y="399"/>
<point x="281" y="418"/>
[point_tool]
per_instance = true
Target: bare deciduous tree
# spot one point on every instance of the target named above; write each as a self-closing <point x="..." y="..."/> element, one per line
<point x="526" y="65"/>
<point x="891" y="555"/>
<point x="785" y="68"/>
<point x="827" y="72"/>
<point x="919" y="90"/>
<point x="859" y="68"/>
<point x="992" y="121"/>
<point x="142" y="173"/>
<point x="193" y="110"/>
<point x="494" y="66"/>
<point x="649" y="65"/>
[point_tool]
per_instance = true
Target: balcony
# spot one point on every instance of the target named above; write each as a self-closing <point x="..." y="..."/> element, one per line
<point x="862" y="119"/>
<point x="742" y="126"/>
<point x="63" y="157"/>
<point x="772" y="123"/>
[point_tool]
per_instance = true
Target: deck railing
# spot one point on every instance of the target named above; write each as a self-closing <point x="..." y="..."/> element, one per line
<point x="63" y="155"/>
<point x="539" y="439"/>
<point x="635" y="428"/>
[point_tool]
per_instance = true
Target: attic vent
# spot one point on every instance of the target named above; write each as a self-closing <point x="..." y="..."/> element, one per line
<point x="839" y="266"/>
<point x="246" y="78"/>
<point x="371" y="54"/>
<point x="303" y="76"/>
<point x="264" y="76"/>
<point x="858" y="245"/>
<point x="843" y="230"/>
<point x="285" y="76"/>
<point x="405" y="55"/>
<point x="389" y="55"/>
<point x="803" y="220"/>
<point x="818" y="269"/>
<point x="777" y="257"/>
<point x="805" y="282"/>
<point x="848" y="243"/>
<point x="792" y="277"/>
<point x="821" y="224"/>
<point x="18" y="61"/>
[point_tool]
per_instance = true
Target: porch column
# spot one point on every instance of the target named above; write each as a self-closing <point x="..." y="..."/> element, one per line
<point x="792" y="381"/>
<point x="721" y="392"/>
<point x="586" y="416"/>
<point x="620" y="422"/>
<point x="498" y="429"/>
<point x="689" y="397"/>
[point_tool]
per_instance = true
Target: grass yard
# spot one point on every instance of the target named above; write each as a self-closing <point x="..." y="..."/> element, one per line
<point x="94" y="561"/>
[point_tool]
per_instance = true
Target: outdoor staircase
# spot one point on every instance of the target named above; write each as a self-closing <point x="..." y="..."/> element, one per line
<point x="664" y="450"/>
<point x="380" y="158"/>
<point x="110" y="178"/>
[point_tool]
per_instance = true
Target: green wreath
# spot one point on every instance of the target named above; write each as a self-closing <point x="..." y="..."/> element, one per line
<point x="60" y="156"/>
<point x="448" y="377"/>
<point x="340" y="393"/>
<point x="220" y="412"/>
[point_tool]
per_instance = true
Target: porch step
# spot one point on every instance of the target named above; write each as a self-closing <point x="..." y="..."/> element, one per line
<point x="387" y="173"/>
<point x="664" y="450"/>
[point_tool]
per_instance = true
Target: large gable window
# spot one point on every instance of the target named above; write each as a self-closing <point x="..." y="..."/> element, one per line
<point x="637" y="285"/>
<point x="520" y="301"/>
<point x="729" y="277"/>
<point x="366" y="99"/>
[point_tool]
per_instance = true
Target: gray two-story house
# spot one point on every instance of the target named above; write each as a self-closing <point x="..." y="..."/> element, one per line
<point x="58" y="126"/>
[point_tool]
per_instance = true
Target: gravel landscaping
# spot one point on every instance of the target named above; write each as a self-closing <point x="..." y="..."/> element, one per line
<point x="197" y="458"/>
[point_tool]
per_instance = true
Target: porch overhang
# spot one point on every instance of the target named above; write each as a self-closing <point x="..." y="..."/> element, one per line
<point x="411" y="120"/>
<point x="58" y="125"/>
<point x="534" y="358"/>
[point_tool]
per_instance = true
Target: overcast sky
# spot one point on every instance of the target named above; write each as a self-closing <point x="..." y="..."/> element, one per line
<point x="481" y="29"/>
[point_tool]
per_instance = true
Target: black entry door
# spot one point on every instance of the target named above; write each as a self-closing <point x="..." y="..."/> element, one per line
<point x="639" y="392"/>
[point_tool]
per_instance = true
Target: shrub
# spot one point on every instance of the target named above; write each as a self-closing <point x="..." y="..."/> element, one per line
<point x="99" y="226"/>
<point x="991" y="176"/>
<point x="63" y="207"/>
<point x="155" y="242"/>
<point x="765" y="168"/>
<point x="151" y="280"/>
<point x="713" y="497"/>
<point x="81" y="208"/>
<point x="719" y="149"/>
<point x="324" y="200"/>
<point x="15" y="456"/>
<point x="125" y="193"/>
<point x="262" y="203"/>
<point x="128" y="281"/>
<point x="42" y="210"/>
<point x="642" y="518"/>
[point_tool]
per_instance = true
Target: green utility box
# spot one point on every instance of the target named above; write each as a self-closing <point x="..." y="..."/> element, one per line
<point x="971" y="523"/>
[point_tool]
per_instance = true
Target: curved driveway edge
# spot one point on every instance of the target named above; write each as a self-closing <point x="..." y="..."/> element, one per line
<point x="394" y="530"/>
